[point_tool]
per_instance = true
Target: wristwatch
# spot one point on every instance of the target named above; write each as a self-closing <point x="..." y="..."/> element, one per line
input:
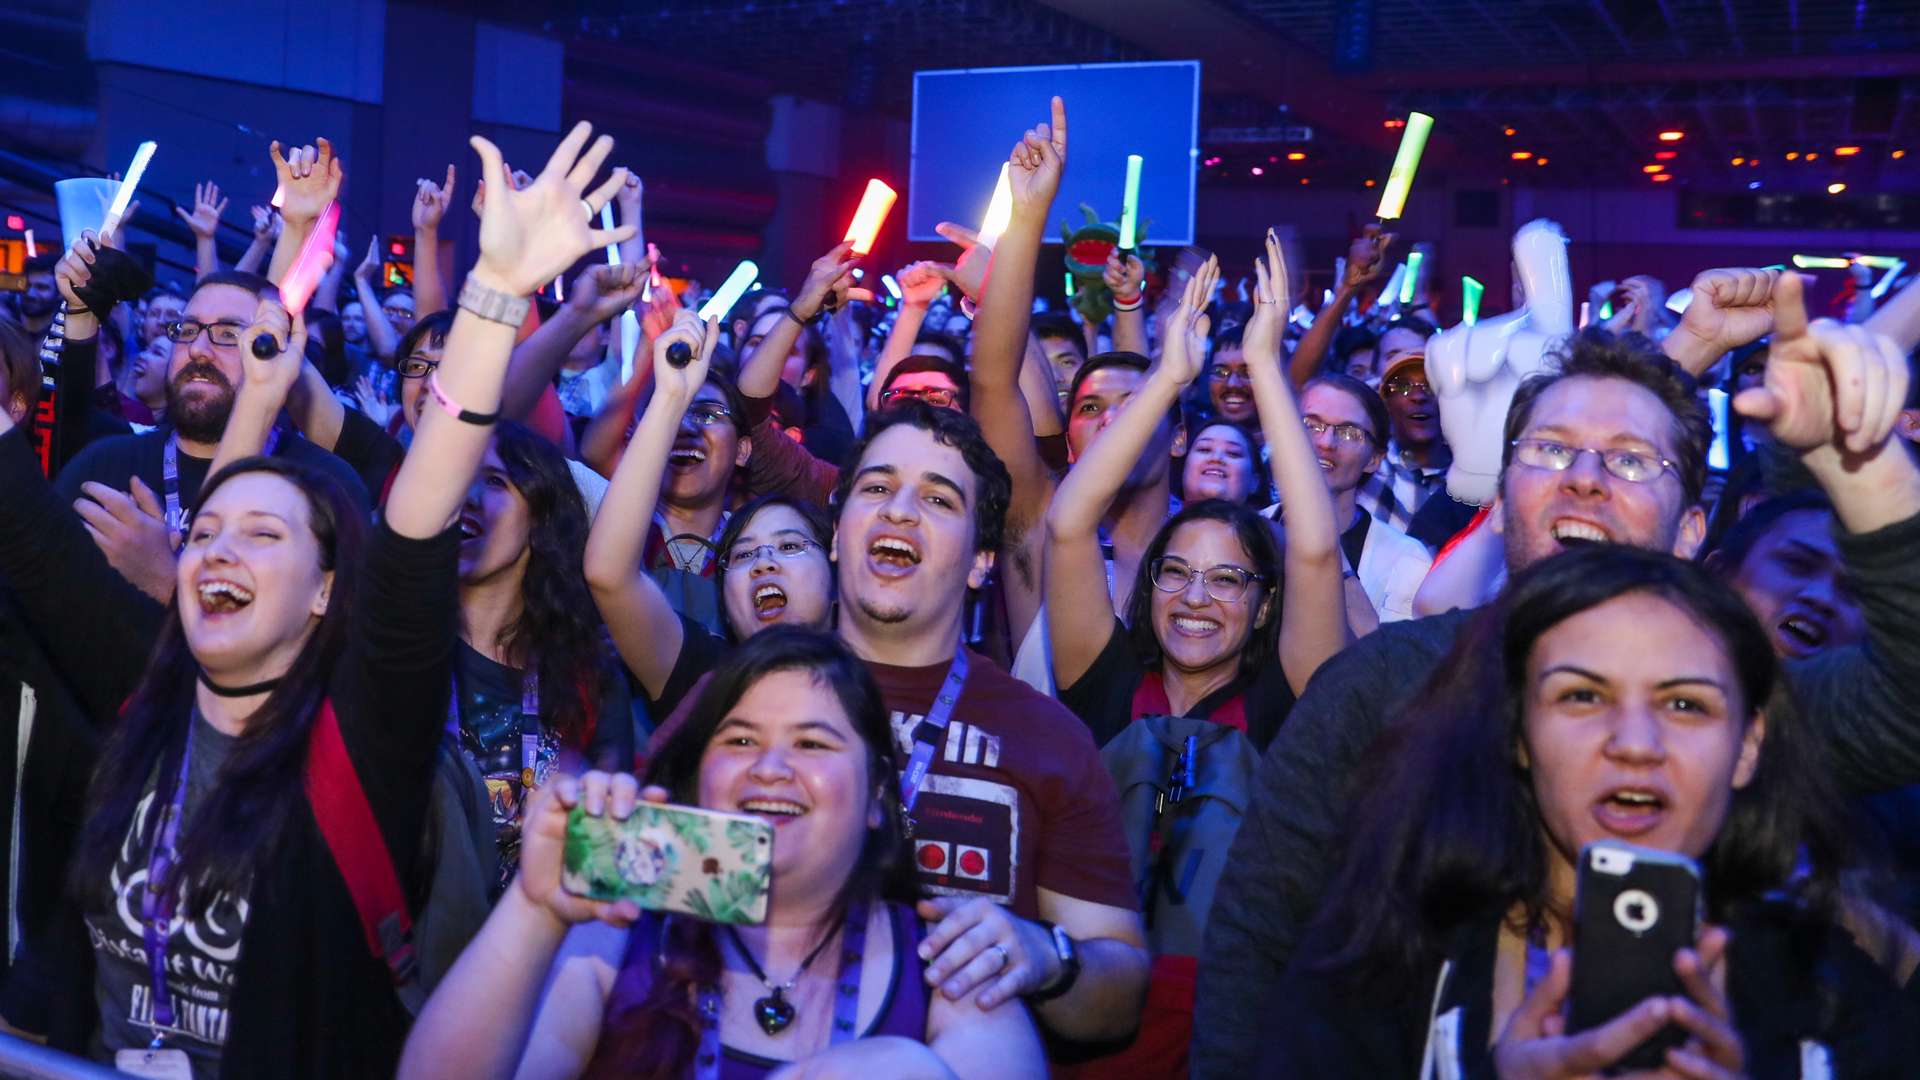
<point x="1069" y="964"/>
<point x="494" y="305"/>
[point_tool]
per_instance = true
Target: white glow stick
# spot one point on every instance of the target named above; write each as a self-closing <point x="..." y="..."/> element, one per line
<point x="124" y="196"/>
<point x="32" y="252"/>
<point x="1679" y="302"/>
<point x="891" y="285"/>
<point x="559" y="289"/>
<point x="279" y="196"/>
<point x="606" y="222"/>
<point x="730" y="291"/>
<point x="1130" y="203"/>
<point x="999" y="209"/>
<point x="1879" y="289"/>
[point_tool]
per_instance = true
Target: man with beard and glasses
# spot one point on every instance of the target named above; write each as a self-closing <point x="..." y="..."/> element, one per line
<point x="1609" y="445"/>
<point x="41" y="299"/>
<point x="135" y="492"/>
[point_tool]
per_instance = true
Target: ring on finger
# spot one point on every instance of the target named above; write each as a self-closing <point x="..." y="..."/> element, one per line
<point x="1005" y="959"/>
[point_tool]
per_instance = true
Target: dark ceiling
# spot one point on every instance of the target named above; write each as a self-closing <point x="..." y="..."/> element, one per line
<point x="1585" y="84"/>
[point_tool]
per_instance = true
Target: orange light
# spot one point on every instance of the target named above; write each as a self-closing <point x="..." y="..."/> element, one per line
<point x="1898" y="154"/>
<point x="1370" y="183"/>
<point x="1521" y="155"/>
<point x="1663" y="178"/>
<point x="1653" y="169"/>
<point x="1739" y="161"/>
<point x="1305" y="180"/>
<point x="1540" y="161"/>
<point x="1753" y="163"/>
<point x="1296" y="156"/>
<point x="1665" y="155"/>
<point x="1672" y="136"/>
<point x="1508" y="132"/>
<point x="1845" y="151"/>
<point x="1835" y="189"/>
<point x="870" y="216"/>
<point x="1395" y="123"/>
<point x="1793" y="155"/>
<point x="1811" y="156"/>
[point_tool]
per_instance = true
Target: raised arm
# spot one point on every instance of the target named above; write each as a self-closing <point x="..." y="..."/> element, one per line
<point x="1127" y="278"/>
<point x="326" y="295"/>
<point x="264" y="383"/>
<point x="919" y="283"/>
<point x="204" y="221"/>
<point x="827" y="284"/>
<point x="309" y="180"/>
<point x="1041" y="392"/>
<point x="266" y="232"/>
<point x="999" y="345"/>
<point x="381" y="340"/>
<point x="429" y="206"/>
<point x="1078" y="626"/>
<point x="314" y="409"/>
<point x="1313" y="624"/>
<point x="644" y="626"/>
<point x="599" y="294"/>
<point x="526" y="237"/>
<point x="1730" y="308"/>
<point x="1366" y="263"/>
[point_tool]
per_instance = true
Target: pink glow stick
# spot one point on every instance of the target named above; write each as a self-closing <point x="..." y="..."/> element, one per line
<point x="316" y="254"/>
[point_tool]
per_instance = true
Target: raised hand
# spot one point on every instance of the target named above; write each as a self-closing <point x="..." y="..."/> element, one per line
<point x="543" y="838"/>
<point x="529" y="236"/>
<point x="1037" y="162"/>
<point x="828" y="280"/>
<point x="309" y="180"/>
<point x="266" y="225"/>
<point x="75" y="269"/>
<point x="969" y="272"/>
<point x="374" y="401"/>
<point x="629" y="199"/>
<point x="921" y="282"/>
<point x="430" y="202"/>
<point x="1260" y="338"/>
<point x="602" y="292"/>
<point x="520" y="181"/>
<point x="1829" y="387"/>
<point x="274" y="376"/>
<point x="370" y="265"/>
<point x="700" y="339"/>
<point x="1125" y="274"/>
<point x="207" y="208"/>
<point x="1730" y="308"/>
<point x="1367" y="258"/>
<point x="130" y="528"/>
<point x="1185" y="331"/>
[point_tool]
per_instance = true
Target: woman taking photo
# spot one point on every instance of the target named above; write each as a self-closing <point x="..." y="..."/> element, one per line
<point x="1610" y="693"/>
<point x="772" y="555"/>
<point x="792" y="728"/>
<point x="1207" y="608"/>
<point x="290" y="629"/>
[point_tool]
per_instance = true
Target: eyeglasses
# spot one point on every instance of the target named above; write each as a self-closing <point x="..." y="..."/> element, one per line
<point x="397" y="313"/>
<point x="417" y="367"/>
<point x="937" y="396"/>
<point x="1347" y="433"/>
<point x="1225" y="583"/>
<point x="1633" y="466"/>
<point x="1225" y="372"/>
<point x="185" y="331"/>
<point x="1399" y="387"/>
<point x="784" y="550"/>
<point x="708" y="413"/>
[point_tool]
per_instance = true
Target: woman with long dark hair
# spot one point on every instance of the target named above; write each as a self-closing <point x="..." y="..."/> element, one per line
<point x="212" y="929"/>
<point x="1609" y="693"/>
<point x="791" y="727"/>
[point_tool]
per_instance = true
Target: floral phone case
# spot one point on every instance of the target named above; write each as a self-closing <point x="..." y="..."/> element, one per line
<point x="704" y="863"/>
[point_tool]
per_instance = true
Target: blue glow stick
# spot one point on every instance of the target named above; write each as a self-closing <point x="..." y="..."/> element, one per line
<point x="730" y="291"/>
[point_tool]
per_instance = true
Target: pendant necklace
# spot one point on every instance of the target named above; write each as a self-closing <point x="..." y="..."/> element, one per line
<point x="774" y="1013"/>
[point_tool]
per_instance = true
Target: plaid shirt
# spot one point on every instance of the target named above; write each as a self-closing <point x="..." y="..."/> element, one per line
<point x="1396" y="491"/>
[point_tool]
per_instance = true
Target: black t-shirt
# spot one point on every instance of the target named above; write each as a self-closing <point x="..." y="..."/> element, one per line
<point x="372" y="453"/>
<point x="115" y="461"/>
<point x="1103" y="697"/>
<point x="490" y="720"/>
<point x="700" y="652"/>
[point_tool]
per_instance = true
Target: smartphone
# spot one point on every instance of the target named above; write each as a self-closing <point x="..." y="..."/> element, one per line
<point x="1635" y="908"/>
<point x="711" y="865"/>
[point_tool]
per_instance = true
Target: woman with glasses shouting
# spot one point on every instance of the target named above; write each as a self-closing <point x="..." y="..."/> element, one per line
<point x="770" y="560"/>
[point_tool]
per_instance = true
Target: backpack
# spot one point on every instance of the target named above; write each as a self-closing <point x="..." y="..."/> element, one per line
<point x="1184" y="784"/>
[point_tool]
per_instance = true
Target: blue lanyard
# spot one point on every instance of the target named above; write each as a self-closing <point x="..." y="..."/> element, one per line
<point x="170" y="476"/>
<point x="930" y="729"/>
<point x="158" y="897"/>
<point x="846" y="996"/>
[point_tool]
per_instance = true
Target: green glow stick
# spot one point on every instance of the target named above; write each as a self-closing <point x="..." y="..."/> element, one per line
<point x="1470" y="292"/>
<point x="1878" y="262"/>
<point x="1819" y="262"/>
<point x="1069" y="276"/>
<point x="1130" y="204"/>
<point x="1606" y="311"/>
<point x="1413" y="142"/>
<point x="731" y="291"/>
<point x="1414" y="259"/>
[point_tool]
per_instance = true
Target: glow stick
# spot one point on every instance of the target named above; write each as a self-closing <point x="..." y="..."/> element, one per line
<point x="999" y="209"/>
<point x="1879" y="289"/>
<point x="859" y="274"/>
<point x="629" y="343"/>
<point x="279" y="195"/>
<point x="1070" y="289"/>
<point x="127" y="187"/>
<point x="1679" y="302"/>
<point x="892" y="285"/>
<point x="1583" y="312"/>
<point x="1606" y="311"/>
<point x="1326" y="297"/>
<point x="559" y="289"/>
<point x="653" y="272"/>
<point x="1414" y="258"/>
<point x="867" y="220"/>
<point x="1413" y="142"/>
<point x="1878" y="262"/>
<point x="1819" y="262"/>
<point x="1130" y="203"/>
<point x="730" y="291"/>
<point x="32" y="252"/>
<point x="1392" y="291"/>
<point x="1470" y="293"/>
<point x="606" y="222"/>
<point x="297" y="287"/>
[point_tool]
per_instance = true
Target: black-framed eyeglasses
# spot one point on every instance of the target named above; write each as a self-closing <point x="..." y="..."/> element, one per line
<point x="1352" y="434"/>
<point x="1225" y="583"/>
<point x="1401" y="387"/>
<point x="783" y="550"/>
<point x="396" y="313"/>
<point x="417" y="367"/>
<point x="184" y="331"/>
<point x="1225" y="372"/>
<point x="709" y="413"/>
<point x="1633" y="466"/>
<point x="938" y="397"/>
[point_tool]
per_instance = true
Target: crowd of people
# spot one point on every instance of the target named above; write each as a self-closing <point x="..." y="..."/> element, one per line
<point x="1128" y="698"/>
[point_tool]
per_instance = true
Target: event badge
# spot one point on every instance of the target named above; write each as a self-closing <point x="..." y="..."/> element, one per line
<point x="154" y="1064"/>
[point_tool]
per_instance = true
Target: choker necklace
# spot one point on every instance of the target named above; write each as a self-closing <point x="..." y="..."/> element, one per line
<point x="774" y="1012"/>
<point x="237" y="691"/>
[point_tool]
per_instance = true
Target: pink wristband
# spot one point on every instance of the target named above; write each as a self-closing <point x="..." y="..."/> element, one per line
<point x="453" y="408"/>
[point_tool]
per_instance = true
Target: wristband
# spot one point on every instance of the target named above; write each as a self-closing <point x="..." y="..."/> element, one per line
<point x="494" y="305"/>
<point x="788" y="312"/>
<point x="1131" y="304"/>
<point x="453" y="408"/>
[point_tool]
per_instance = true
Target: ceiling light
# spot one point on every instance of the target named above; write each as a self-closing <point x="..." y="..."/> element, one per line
<point x="1665" y="155"/>
<point x="1370" y="183"/>
<point x="1540" y="161"/>
<point x="1521" y="155"/>
<point x="1653" y="168"/>
<point x="1297" y="155"/>
<point x="1672" y="136"/>
<point x="1898" y="154"/>
<point x="1508" y="132"/>
<point x="1305" y="180"/>
<point x="1845" y="151"/>
<point x="1663" y="178"/>
<point x="1258" y="171"/>
<point x="1739" y="161"/>
<point x="1836" y="188"/>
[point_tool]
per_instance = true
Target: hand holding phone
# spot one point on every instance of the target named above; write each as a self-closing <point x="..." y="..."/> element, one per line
<point x="663" y="857"/>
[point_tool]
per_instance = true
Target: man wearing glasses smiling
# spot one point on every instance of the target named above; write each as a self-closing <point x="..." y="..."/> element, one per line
<point x="135" y="492"/>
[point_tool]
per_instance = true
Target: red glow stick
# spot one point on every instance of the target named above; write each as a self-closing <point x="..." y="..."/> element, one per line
<point x="874" y="206"/>
<point x="316" y="254"/>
